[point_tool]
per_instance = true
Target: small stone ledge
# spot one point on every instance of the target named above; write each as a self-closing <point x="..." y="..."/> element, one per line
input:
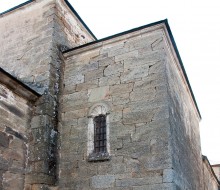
<point x="94" y="157"/>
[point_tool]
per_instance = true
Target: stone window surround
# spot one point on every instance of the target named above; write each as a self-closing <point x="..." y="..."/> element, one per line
<point x="96" y="110"/>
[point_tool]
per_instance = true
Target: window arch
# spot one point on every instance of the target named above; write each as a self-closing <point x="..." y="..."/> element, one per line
<point x="98" y="133"/>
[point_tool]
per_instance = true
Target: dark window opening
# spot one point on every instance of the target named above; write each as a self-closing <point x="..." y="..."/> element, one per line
<point x="100" y="134"/>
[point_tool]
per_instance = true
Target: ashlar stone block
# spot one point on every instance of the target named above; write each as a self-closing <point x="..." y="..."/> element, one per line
<point x="98" y="94"/>
<point x="103" y="181"/>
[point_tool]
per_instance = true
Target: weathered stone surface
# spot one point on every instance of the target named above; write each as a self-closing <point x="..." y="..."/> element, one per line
<point x="152" y="133"/>
<point x="164" y="186"/>
<point x="128" y="55"/>
<point x="134" y="74"/>
<point x="168" y="175"/>
<point x="76" y="79"/>
<point x="12" y="140"/>
<point x="4" y="140"/>
<point x="105" y="62"/>
<point x="103" y="181"/>
<point x="87" y="85"/>
<point x="111" y="80"/>
<point x="132" y="79"/>
<point x="138" y="117"/>
<point x="3" y="164"/>
<point x="114" y="69"/>
<point x="98" y="94"/>
<point x="39" y="178"/>
<point x="121" y="88"/>
<point x="76" y="114"/>
<point x="14" y="181"/>
<point x="138" y="181"/>
<point x="92" y="75"/>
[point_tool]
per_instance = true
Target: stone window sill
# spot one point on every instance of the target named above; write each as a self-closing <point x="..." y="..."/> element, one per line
<point x="93" y="157"/>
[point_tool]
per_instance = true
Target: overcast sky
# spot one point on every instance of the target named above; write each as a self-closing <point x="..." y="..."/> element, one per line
<point x="195" y="25"/>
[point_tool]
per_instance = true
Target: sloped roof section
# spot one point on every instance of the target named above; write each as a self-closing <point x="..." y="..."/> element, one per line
<point x="16" y="7"/>
<point x="17" y="86"/>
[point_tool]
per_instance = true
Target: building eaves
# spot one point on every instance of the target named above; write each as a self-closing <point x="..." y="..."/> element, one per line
<point x="79" y="18"/>
<point x="165" y="22"/>
<point x="181" y="64"/>
<point x="115" y="36"/>
<point x="17" y="86"/>
<point x="16" y="7"/>
<point x="216" y="165"/>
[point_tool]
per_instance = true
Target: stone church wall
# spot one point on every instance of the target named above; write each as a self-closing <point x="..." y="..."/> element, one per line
<point x="31" y="39"/>
<point x="127" y="74"/>
<point x="133" y="79"/>
<point x="14" y="123"/>
<point x="184" y="126"/>
<point x="30" y="36"/>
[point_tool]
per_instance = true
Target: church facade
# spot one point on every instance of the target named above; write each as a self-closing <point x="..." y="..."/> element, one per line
<point x="79" y="113"/>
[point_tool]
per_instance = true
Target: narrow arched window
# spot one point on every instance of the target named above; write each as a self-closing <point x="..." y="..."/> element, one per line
<point x="100" y="134"/>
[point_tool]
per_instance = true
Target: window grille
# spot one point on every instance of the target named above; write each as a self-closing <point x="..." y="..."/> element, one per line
<point x="100" y="134"/>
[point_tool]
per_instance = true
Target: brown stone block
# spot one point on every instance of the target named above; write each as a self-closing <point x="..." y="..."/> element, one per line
<point x="95" y="74"/>
<point x="164" y="186"/>
<point x="75" y="114"/>
<point x="74" y="105"/>
<point x="27" y="187"/>
<point x="13" y="181"/>
<point x="121" y="88"/>
<point x="139" y="181"/>
<point x="111" y="80"/>
<point x="105" y="62"/>
<point x="87" y="85"/>
<point x="77" y="97"/>
<point x="39" y="178"/>
<point x="98" y="94"/>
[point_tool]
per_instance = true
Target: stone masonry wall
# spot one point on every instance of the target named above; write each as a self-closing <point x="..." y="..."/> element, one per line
<point x="209" y="180"/>
<point x="128" y="75"/>
<point x="14" y="121"/>
<point x="28" y="35"/>
<point x="31" y="39"/>
<point x="26" y="39"/>
<point x="185" y="136"/>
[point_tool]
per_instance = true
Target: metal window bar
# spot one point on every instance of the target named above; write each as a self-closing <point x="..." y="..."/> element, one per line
<point x="100" y="134"/>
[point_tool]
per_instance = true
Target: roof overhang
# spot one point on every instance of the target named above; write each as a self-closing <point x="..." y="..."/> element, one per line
<point x="18" y="87"/>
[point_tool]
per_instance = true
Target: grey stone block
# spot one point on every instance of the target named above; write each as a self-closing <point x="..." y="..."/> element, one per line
<point x="103" y="181"/>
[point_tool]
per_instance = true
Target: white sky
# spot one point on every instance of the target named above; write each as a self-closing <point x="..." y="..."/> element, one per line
<point x="195" y="25"/>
